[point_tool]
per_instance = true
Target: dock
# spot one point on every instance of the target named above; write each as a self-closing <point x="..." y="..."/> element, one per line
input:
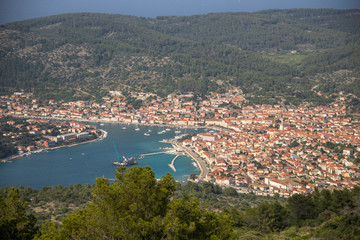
<point x="154" y="153"/>
<point x="171" y="165"/>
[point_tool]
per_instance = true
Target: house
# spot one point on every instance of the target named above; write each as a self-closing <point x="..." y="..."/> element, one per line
<point x="207" y="137"/>
<point x="348" y="151"/>
<point x="187" y="142"/>
<point x="31" y="148"/>
<point x="49" y="144"/>
<point x="277" y="183"/>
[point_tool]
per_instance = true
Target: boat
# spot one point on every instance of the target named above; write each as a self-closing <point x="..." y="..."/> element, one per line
<point x="147" y="134"/>
<point x="137" y="129"/>
<point x="168" y="129"/>
<point x="123" y="128"/>
<point x="126" y="162"/>
<point x="101" y="124"/>
<point x="177" y="131"/>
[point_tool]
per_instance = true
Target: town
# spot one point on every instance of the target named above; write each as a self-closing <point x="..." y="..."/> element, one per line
<point x="263" y="149"/>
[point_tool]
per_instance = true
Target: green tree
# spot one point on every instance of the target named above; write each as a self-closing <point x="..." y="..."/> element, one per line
<point x="137" y="206"/>
<point x="229" y="191"/>
<point x="193" y="176"/>
<point x="186" y="220"/>
<point x="300" y="208"/>
<point x="15" y="223"/>
<point x="267" y="217"/>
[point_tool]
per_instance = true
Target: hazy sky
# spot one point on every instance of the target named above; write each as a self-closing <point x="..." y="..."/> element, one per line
<point x="15" y="10"/>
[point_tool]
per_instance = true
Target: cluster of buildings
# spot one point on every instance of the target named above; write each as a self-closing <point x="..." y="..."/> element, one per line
<point x="291" y="151"/>
<point x="260" y="148"/>
<point x="44" y="133"/>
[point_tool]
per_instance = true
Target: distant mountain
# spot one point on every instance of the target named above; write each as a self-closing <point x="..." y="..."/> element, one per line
<point x="271" y="55"/>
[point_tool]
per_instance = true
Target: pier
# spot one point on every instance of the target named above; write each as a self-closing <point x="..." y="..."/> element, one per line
<point x="171" y="165"/>
<point x="154" y="153"/>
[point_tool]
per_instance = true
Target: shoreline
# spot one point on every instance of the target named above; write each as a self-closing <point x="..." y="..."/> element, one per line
<point x="203" y="168"/>
<point x="202" y="165"/>
<point x="12" y="157"/>
<point x="111" y="121"/>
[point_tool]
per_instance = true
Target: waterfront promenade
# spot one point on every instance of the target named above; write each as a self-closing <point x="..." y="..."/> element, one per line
<point x="203" y="167"/>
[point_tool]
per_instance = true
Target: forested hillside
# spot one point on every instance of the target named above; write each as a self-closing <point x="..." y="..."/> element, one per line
<point x="268" y="31"/>
<point x="268" y="54"/>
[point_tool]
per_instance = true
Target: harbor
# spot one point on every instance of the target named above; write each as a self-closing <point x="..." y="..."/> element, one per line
<point x="67" y="166"/>
<point x="172" y="151"/>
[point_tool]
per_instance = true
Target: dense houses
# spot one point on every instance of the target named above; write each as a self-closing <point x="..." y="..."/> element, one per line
<point x="29" y="135"/>
<point x="264" y="149"/>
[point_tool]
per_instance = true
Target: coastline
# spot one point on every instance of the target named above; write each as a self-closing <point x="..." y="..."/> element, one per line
<point x="204" y="170"/>
<point x="8" y="159"/>
<point x="111" y="121"/>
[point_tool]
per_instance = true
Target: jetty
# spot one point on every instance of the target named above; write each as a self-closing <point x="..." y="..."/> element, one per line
<point x="171" y="165"/>
<point x="154" y="153"/>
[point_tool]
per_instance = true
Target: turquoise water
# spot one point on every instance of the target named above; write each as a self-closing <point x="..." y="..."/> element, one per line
<point x="86" y="162"/>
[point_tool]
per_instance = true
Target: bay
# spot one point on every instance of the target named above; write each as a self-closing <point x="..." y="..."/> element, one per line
<point x="84" y="163"/>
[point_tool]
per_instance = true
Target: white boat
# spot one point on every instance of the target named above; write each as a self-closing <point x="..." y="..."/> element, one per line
<point x="177" y="131"/>
<point x="147" y="134"/>
<point x="137" y="129"/>
<point x="123" y="128"/>
<point x="168" y="129"/>
<point x="101" y="124"/>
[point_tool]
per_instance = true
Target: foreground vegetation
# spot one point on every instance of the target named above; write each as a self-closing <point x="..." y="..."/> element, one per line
<point x="137" y="206"/>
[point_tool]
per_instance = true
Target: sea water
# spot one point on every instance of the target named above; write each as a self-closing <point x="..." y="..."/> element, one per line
<point x="86" y="162"/>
